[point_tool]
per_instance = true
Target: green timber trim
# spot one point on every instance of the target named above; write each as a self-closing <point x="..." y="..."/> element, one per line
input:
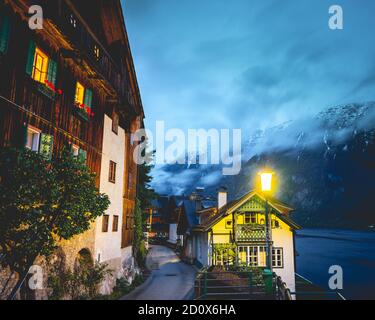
<point x="251" y="202"/>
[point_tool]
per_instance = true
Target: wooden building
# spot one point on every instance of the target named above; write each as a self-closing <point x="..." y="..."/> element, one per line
<point x="59" y="83"/>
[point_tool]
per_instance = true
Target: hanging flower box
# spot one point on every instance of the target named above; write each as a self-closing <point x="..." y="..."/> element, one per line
<point x="83" y="111"/>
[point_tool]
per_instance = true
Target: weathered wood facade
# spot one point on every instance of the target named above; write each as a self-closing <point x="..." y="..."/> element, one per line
<point x="86" y="43"/>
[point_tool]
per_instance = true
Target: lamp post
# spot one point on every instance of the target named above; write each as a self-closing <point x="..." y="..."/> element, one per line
<point x="266" y="187"/>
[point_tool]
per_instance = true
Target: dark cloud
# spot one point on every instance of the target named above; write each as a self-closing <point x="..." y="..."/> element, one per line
<point x="249" y="64"/>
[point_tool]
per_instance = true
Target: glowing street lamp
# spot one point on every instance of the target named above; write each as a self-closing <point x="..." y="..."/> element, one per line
<point x="266" y="181"/>
<point x="266" y="187"/>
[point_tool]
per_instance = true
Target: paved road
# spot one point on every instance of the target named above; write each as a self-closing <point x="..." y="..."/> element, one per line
<point x="170" y="279"/>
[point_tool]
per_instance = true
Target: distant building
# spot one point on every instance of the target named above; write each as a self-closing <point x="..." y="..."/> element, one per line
<point x="174" y="217"/>
<point x="159" y="214"/>
<point x="234" y="233"/>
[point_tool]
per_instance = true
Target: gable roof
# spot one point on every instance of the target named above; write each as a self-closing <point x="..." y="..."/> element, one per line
<point x="282" y="210"/>
<point x="188" y="218"/>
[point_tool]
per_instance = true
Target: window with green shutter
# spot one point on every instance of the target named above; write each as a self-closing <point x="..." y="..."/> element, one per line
<point x="88" y="98"/>
<point x="30" y="58"/>
<point x="52" y="71"/>
<point x="40" y="66"/>
<point x="46" y="146"/>
<point x="4" y="33"/>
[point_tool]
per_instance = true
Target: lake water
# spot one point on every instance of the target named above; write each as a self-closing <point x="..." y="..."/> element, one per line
<point x="354" y="251"/>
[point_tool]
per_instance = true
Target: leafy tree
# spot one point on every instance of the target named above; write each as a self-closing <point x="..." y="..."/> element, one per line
<point x="42" y="201"/>
<point x="145" y="193"/>
<point x="144" y="197"/>
<point x="138" y="242"/>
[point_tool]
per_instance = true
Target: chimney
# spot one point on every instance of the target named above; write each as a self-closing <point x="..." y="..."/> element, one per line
<point x="197" y="196"/>
<point x="222" y="197"/>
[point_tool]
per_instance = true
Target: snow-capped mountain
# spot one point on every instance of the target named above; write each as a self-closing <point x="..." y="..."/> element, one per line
<point x="325" y="165"/>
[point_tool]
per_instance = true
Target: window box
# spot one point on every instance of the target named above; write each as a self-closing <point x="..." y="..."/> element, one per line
<point x="46" y="91"/>
<point x="81" y="113"/>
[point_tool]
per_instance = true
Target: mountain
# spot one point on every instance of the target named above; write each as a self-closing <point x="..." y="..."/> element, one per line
<point x="325" y="166"/>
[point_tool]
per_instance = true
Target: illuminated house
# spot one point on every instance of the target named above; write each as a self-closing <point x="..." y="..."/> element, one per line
<point x="235" y="233"/>
<point x="73" y="83"/>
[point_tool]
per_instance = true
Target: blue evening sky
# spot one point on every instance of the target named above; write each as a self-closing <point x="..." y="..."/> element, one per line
<point x="248" y="63"/>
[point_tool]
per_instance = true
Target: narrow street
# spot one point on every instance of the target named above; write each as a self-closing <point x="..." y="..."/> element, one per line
<point x="171" y="279"/>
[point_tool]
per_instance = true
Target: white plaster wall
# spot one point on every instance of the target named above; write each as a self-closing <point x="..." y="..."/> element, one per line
<point x="173" y="233"/>
<point x="108" y="244"/>
<point x="283" y="238"/>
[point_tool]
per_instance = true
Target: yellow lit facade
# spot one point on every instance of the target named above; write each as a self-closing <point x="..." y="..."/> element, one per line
<point x="242" y="227"/>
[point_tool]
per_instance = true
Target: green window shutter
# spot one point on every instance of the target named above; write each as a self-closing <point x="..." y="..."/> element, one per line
<point x="30" y="58"/>
<point x="4" y="34"/>
<point x="82" y="155"/>
<point x="88" y="98"/>
<point x="52" y="71"/>
<point x="46" y="146"/>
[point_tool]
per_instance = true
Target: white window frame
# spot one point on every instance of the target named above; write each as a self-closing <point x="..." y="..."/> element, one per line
<point x="75" y="150"/>
<point x="278" y="258"/>
<point x="32" y="144"/>
<point x="256" y="256"/>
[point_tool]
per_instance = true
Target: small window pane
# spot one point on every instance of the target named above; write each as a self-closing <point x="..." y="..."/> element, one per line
<point x="105" y="223"/>
<point x="115" y="224"/>
<point x="80" y="93"/>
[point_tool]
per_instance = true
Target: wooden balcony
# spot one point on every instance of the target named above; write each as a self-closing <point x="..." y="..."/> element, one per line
<point x="88" y="48"/>
<point x="250" y="233"/>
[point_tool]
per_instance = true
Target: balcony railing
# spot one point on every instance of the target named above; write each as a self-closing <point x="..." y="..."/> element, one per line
<point x="250" y="233"/>
<point x="90" y="49"/>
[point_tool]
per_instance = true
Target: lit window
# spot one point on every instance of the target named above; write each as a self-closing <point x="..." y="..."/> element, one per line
<point x="80" y="93"/>
<point x="250" y="218"/>
<point x="97" y="52"/>
<point x="73" y="21"/>
<point x="33" y="137"/>
<point x="40" y="66"/>
<point x="253" y="256"/>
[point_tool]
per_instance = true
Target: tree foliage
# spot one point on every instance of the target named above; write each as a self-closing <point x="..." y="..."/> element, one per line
<point x="42" y="201"/>
<point x="145" y="193"/>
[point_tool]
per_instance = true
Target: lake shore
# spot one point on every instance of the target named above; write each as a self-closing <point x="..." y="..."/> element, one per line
<point x="353" y="250"/>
